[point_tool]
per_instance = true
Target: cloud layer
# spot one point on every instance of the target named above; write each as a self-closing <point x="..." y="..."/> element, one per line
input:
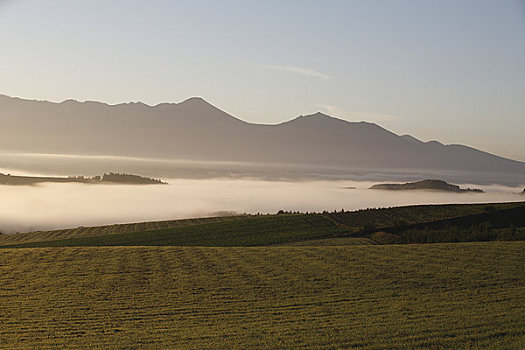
<point x="50" y="206"/>
<point x="307" y="72"/>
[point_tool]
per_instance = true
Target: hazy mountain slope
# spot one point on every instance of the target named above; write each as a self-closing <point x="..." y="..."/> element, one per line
<point x="194" y="129"/>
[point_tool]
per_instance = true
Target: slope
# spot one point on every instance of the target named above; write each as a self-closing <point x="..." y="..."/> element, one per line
<point x="337" y="228"/>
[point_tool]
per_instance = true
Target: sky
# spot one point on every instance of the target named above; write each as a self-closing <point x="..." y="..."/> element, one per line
<point x="446" y="70"/>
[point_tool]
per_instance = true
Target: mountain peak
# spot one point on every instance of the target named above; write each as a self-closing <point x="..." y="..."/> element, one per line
<point x="318" y="116"/>
<point x="195" y="100"/>
<point x="321" y="119"/>
<point x="434" y="143"/>
<point x="69" y="100"/>
<point x="192" y="101"/>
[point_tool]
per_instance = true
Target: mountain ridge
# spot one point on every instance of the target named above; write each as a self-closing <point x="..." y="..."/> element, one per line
<point x="196" y="129"/>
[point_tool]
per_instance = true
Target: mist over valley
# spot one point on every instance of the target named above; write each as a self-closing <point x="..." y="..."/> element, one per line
<point x="51" y="206"/>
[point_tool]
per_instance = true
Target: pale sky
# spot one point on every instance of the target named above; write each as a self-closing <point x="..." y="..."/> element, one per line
<point x="447" y="70"/>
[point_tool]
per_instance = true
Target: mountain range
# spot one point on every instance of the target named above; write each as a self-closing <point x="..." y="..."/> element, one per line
<point x="197" y="130"/>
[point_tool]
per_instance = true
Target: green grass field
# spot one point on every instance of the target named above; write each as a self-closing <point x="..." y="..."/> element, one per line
<point x="104" y="230"/>
<point x="450" y="296"/>
<point x="243" y="231"/>
<point x="317" y="281"/>
<point x="387" y="217"/>
<point x="265" y="230"/>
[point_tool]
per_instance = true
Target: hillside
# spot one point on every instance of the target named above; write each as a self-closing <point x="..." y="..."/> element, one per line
<point x="243" y="231"/>
<point x="412" y="224"/>
<point x="76" y="232"/>
<point x="196" y="130"/>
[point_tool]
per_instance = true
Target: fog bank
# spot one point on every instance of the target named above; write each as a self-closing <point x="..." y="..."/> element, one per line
<point x="71" y="164"/>
<point x="51" y="206"/>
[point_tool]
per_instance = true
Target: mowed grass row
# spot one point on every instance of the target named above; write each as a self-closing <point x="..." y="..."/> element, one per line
<point x="243" y="231"/>
<point x="467" y="295"/>
<point x="331" y="242"/>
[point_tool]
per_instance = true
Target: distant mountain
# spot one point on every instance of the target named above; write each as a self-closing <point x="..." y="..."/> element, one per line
<point x="437" y="185"/>
<point x="195" y="129"/>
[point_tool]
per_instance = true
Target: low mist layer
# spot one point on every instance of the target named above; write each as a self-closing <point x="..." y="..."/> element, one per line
<point x="51" y="206"/>
<point x="75" y="165"/>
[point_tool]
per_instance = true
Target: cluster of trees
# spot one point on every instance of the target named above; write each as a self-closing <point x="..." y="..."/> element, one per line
<point x="107" y="178"/>
<point x="129" y="179"/>
<point x="480" y="232"/>
<point x="475" y="233"/>
<point x="289" y="212"/>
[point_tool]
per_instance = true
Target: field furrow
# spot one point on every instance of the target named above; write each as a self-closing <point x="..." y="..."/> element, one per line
<point x="429" y="296"/>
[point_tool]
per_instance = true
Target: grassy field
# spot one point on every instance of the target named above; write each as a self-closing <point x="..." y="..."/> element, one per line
<point x="415" y="214"/>
<point x="37" y="236"/>
<point x="331" y="242"/>
<point x="319" y="281"/>
<point x="243" y="231"/>
<point x="466" y="295"/>
<point x="263" y="230"/>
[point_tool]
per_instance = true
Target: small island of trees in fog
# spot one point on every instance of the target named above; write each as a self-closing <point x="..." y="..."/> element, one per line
<point x="111" y="178"/>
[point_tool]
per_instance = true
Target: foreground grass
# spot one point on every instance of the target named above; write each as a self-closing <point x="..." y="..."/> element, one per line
<point x="468" y="295"/>
<point x="331" y="242"/>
